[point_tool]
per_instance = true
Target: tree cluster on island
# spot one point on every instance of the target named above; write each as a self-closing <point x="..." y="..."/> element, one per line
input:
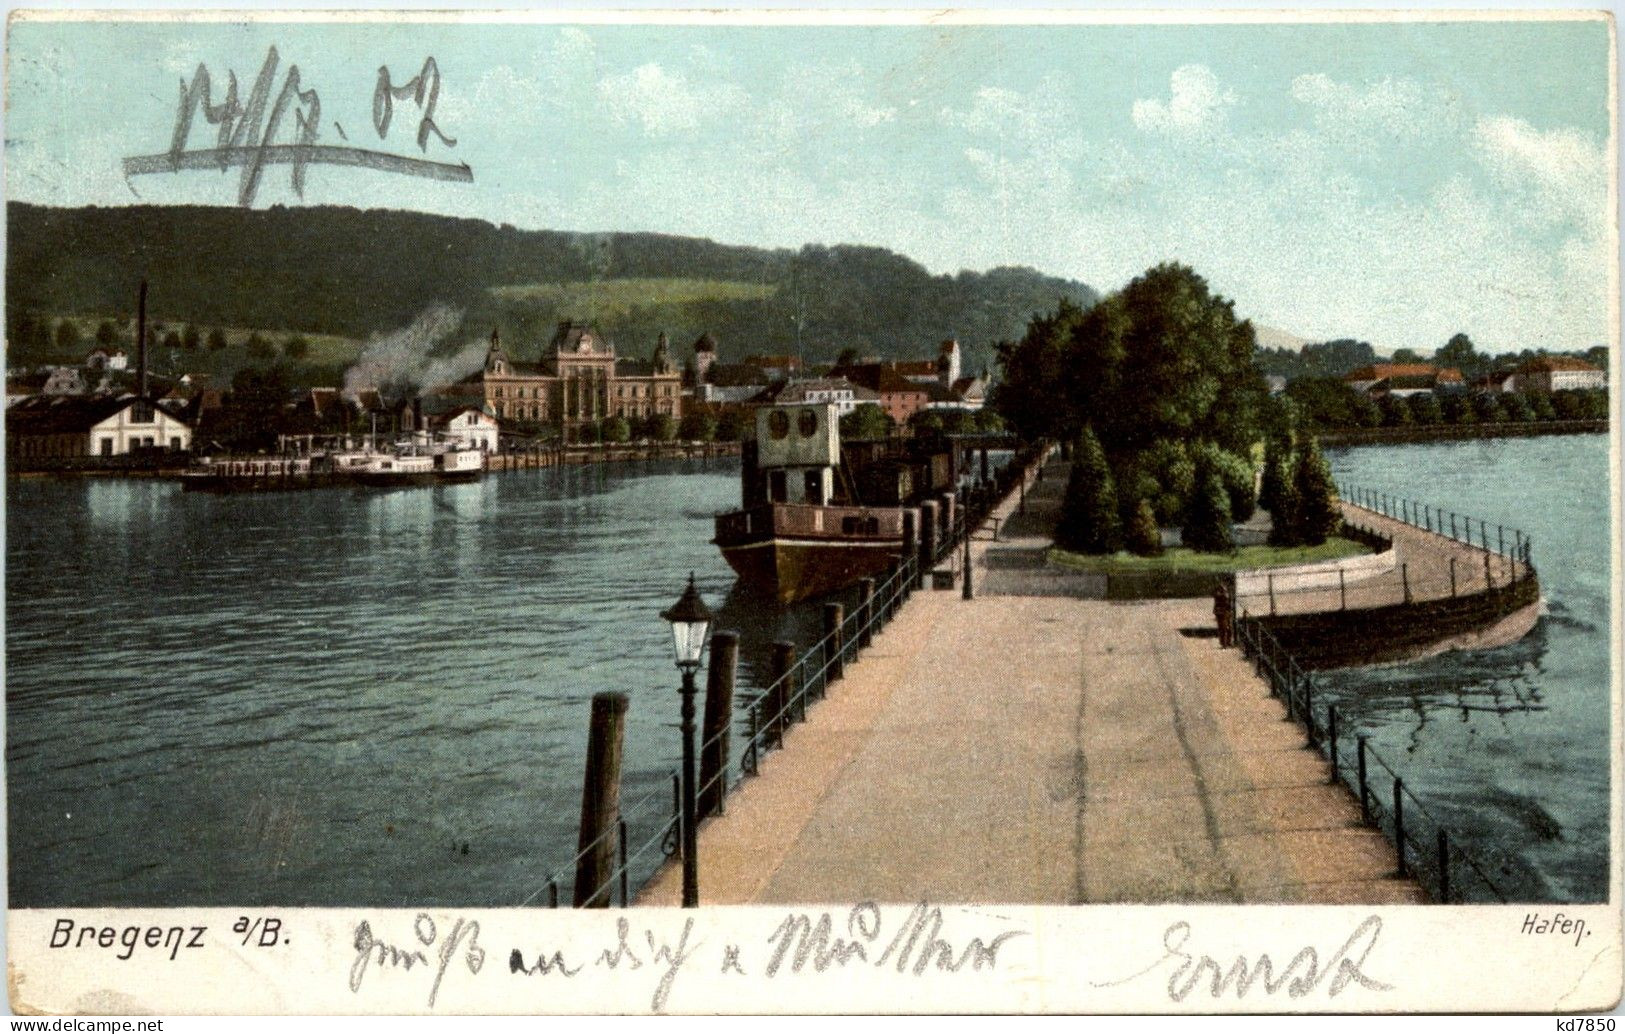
<point x="1331" y="404"/>
<point x="1156" y="386"/>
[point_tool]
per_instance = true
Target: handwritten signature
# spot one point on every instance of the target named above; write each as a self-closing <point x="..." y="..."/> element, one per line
<point x="1300" y="976"/>
<point x="248" y="133"/>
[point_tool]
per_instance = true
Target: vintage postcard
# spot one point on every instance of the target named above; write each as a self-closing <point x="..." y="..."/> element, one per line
<point x="864" y="511"/>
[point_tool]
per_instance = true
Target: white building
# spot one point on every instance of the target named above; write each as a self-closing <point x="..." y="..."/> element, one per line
<point x="46" y="425"/>
<point x="1558" y="373"/>
<point x="474" y="428"/>
<point x="836" y="391"/>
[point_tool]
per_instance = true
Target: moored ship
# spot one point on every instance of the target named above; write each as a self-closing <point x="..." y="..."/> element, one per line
<point x="812" y="521"/>
<point x="406" y="463"/>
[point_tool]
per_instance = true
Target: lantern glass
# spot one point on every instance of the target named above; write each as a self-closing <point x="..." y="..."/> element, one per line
<point x="690" y="621"/>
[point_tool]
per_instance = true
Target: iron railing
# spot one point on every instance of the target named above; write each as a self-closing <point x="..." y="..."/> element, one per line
<point x="1423" y="846"/>
<point x="782" y="704"/>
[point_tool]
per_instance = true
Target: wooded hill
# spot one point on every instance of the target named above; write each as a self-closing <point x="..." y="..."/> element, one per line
<point x="352" y="273"/>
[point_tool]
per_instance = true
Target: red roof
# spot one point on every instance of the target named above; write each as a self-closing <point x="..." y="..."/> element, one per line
<point x="1382" y="371"/>
<point x="1556" y="364"/>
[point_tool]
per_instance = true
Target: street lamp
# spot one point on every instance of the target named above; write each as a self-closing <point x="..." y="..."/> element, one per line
<point x="690" y="622"/>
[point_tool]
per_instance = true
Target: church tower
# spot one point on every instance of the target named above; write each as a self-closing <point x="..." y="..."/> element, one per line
<point x="496" y="360"/>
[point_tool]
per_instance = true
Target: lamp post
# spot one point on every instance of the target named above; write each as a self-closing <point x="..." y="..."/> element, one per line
<point x="690" y="621"/>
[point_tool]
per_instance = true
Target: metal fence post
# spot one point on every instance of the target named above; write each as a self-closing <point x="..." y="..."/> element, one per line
<point x="1399" y="824"/>
<point x="1331" y="736"/>
<point x="1365" y="798"/>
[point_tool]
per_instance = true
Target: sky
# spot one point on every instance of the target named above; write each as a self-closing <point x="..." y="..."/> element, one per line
<point x="1394" y="182"/>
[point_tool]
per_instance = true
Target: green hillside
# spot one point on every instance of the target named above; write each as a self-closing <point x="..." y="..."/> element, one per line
<point x="344" y="273"/>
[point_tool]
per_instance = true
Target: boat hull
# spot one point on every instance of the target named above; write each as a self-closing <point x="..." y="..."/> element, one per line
<point x="794" y="570"/>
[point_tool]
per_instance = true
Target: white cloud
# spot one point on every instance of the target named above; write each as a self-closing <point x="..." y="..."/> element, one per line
<point x="1562" y="171"/>
<point x="662" y="103"/>
<point x="1197" y="103"/>
<point x="1396" y="107"/>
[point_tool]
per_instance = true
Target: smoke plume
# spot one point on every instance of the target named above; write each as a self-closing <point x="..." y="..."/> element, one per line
<point x="399" y="364"/>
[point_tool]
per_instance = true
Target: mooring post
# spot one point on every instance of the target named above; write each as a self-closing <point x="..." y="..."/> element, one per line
<point x="968" y="592"/>
<point x="928" y="539"/>
<point x="1331" y="736"/>
<point x="1271" y="578"/>
<point x="1365" y="798"/>
<point x="1452" y="577"/>
<point x="946" y="513"/>
<point x="866" y="612"/>
<point x="1427" y="517"/>
<point x="780" y="689"/>
<point x="1453" y="524"/>
<point x="911" y="537"/>
<point x="600" y="801"/>
<point x="1309" y="709"/>
<point x="1399" y="824"/>
<point x="1501" y="539"/>
<point x="719" y="698"/>
<point x="1342" y="591"/>
<point x="1444" y="866"/>
<point x="1405" y="580"/>
<point x="834" y="656"/>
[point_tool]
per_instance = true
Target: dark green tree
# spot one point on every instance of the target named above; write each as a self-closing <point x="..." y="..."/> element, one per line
<point x="615" y="430"/>
<point x="259" y="349"/>
<point x="191" y="339"/>
<point x="1457" y="408"/>
<point x="1408" y="355"/>
<point x="736" y="425"/>
<point x="989" y="421"/>
<point x="1487" y="408"/>
<point x="1089" y="521"/>
<point x="1142" y="536"/>
<point x="662" y="427"/>
<point x="172" y="340"/>
<point x="698" y="425"/>
<point x="67" y="336"/>
<point x="1517" y="408"/>
<point x="1274" y="484"/>
<point x="1318" y="515"/>
<point x="1425" y="408"/>
<point x="1460" y="353"/>
<point x="1166" y="475"/>
<point x="867" y="421"/>
<point x="106" y="334"/>
<point x="1396" y="410"/>
<point x="1541" y="403"/>
<point x="1207" y="518"/>
<point x="217" y="340"/>
<point x="1235" y="473"/>
<point x="296" y="347"/>
<point x="1033" y="373"/>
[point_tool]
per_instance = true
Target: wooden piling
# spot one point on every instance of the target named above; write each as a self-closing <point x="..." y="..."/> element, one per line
<point x="1452" y="577"/>
<point x="1405" y="580"/>
<point x="866" y="612"/>
<point x="834" y="655"/>
<point x="782" y="690"/>
<point x="1365" y="796"/>
<point x="1399" y="825"/>
<point x="719" y="697"/>
<point x="600" y="801"/>
<point x="1443" y="842"/>
<point x="928" y="538"/>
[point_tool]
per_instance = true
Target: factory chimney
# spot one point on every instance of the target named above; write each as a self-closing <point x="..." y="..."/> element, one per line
<point x="141" y="343"/>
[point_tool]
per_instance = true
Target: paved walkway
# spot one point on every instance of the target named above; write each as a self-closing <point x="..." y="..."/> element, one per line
<point x="1042" y="749"/>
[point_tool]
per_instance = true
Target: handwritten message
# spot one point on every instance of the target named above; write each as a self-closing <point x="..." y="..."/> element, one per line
<point x="257" y="133"/>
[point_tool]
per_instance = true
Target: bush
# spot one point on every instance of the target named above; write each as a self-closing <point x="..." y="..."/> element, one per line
<point x="1207" y="518"/>
<point x="698" y="426"/>
<point x="1318" y="516"/>
<point x="1143" y="537"/>
<point x="1396" y="411"/>
<point x="1541" y="403"/>
<point x="1089" y="521"/>
<point x="1518" y="409"/>
<point x="1235" y="473"/>
<point x="259" y="349"/>
<point x="1425" y="408"/>
<point x="614" y="429"/>
<point x="1487" y="408"/>
<point x="296" y="347"/>
<point x="1172" y="473"/>
<point x="1569" y="405"/>
<point x="1457" y="409"/>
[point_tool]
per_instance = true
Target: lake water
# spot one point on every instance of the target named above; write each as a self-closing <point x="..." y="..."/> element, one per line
<point x="319" y="697"/>
<point x="1508" y="747"/>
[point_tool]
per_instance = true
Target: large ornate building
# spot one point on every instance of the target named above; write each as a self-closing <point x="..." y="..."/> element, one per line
<point x="578" y="382"/>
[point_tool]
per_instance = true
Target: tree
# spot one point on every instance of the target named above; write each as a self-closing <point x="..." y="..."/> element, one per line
<point x="1487" y="408"/>
<point x="191" y="339"/>
<point x="698" y="425"/>
<point x="1318" y="515"/>
<point x="259" y="349"/>
<point x="988" y="421"/>
<point x="1460" y="353"/>
<point x="866" y="421"/>
<point x="67" y="336"/>
<point x="848" y="357"/>
<point x="1235" y="473"/>
<point x="958" y="421"/>
<point x="1207" y="519"/>
<point x="217" y="340"/>
<point x="1541" y="403"/>
<point x="172" y="341"/>
<point x="107" y="334"/>
<point x="1425" y="408"/>
<point x="927" y="423"/>
<point x="1033" y="371"/>
<point x="736" y="425"/>
<point x="1088" y="521"/>
<point x="1408" y="355"/>
<point x="1396" y="410"/>
<point x="1272" y="492"/>
<point x="662" y="427"/>
<point x="1456" y="408"/>
<point x="615" y="430"/>
<point x="1166" y="475"/>
<point x="1143" y="537"/>
<point x="1517" y="408"/>
<point x="296" y="347"/>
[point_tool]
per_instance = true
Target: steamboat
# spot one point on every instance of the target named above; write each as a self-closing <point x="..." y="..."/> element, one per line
<point x="814" y="517"/>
